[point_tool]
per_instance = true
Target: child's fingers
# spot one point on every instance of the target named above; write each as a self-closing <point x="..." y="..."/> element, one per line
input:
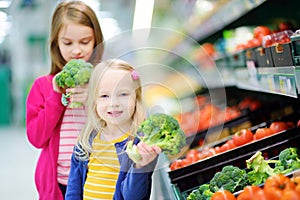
<point x="144" y="148"/>
<point x="78" y="89"/>
<point x="156" y="149"/>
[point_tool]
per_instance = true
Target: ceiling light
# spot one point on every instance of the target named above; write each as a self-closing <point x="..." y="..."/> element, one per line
<point x="4" y="4"/>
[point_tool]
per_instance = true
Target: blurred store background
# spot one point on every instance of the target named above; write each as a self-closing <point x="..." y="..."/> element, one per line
<point x="24" y="31"/>
<point x="193" y="58"/>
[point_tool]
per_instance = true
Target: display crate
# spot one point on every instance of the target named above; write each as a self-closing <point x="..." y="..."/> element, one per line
<point x="186" y="179"/>
<point x="237" y="59"/>
<point x="282" y="55"/>
<point x="264" y="57"/>
<point x="251" y="59"/>
<point x="295" y="43"/>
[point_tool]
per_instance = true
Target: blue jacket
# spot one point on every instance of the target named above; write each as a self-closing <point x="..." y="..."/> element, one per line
<point x="132" y="183"/>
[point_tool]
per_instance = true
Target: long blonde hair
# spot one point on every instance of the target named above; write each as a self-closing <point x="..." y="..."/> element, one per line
<point x="79" y="13"/>
<point x="94" y="122"/>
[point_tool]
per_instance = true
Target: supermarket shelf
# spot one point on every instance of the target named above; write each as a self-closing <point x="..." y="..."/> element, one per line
<point x="226" y="14"/>
<point x="275" y="80"/>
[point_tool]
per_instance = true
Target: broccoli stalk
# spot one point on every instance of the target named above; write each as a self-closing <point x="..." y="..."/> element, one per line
<point x="260" y="168"/>
<point x="161" y="130"/>
<point x="75" y="72"/>
<point x="133" y="152"/>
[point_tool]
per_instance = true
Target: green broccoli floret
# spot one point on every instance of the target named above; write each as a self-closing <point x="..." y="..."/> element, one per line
<point x="75" y="72"/>
<point x="202" y="193"/>
<point x="260" y="168"/>
<point x="194" y="195"/>
<point x="161" y="130"/>
<point x="231" y="178"/>
<point x="289" y="161"/>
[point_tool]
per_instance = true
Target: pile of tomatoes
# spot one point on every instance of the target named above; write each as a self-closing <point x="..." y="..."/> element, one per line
<point x="242" y="137"/>
<point x="277" y="187"/>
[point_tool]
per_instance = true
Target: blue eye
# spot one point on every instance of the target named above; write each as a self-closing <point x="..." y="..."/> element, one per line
<point x="124" y="94"/>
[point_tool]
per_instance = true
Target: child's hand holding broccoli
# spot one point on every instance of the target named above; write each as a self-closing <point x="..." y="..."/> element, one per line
<point x="76" y="73"/>
<point x="159" y="130"/>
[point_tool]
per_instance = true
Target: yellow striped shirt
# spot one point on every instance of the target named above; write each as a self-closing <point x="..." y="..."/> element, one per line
<point x="103" y="170"/>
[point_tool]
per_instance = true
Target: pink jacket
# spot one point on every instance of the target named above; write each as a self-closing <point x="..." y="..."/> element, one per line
<point x="44" y="113"/>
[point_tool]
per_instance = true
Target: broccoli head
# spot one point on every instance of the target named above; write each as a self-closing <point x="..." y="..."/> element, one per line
<point x="202" y="193"/>
<point x="75" y="72"/>
<point x="289" y="160"/>
<point x="231" y="178"/>
<point x="163" y="131"/>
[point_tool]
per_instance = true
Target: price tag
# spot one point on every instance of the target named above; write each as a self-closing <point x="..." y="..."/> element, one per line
<point x="271" y="82"/>
<point x="284" y="84"/>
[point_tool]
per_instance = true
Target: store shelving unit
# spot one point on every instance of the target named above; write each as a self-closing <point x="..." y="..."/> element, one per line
<point x="281" y="81"/>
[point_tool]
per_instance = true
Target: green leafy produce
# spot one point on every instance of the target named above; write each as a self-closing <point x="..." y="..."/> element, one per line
<point x="231" y="178"/>
<point x="260" y="168"/>
<point x="289" y="160"/>
<point x="75" y="72"/>
<point x="202" y="193"/>
<point x="161" y="130"/>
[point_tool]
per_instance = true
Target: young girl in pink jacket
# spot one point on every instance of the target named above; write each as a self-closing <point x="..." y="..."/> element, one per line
<point x="52" y="127"/>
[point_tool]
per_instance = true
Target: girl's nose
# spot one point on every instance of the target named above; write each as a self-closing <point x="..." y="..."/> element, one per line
<point x="114" y="102"/>
<point x="77" y="50"/>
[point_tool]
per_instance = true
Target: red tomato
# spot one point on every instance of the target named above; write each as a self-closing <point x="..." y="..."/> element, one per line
<point x="262" y="132"/>
<point x="223" y="195"/>
<point x="254" y="42"/>
<point x="192" y="156"/>
<point x="242" y="137"/>
<point x="298" y="123"/>
<point x="176" y="164"/>
<point x="278" y="126"/>
<point x="187" y="161"/>
<point x="248" y="192"/>
<point x="227" y="146"/>
<point x="260" y="195"/>
<point x="290" y="195"/>
<point x="276" y="185"/>
<point x="260" y="31"/>
<point x="255" y="105"/>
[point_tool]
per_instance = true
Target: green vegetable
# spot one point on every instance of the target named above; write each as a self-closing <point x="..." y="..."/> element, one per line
<point x="231" y="178"/>
<point x="75" y="72"/>
<point x="289" y="161"/>
<point x="161" y="130"/>
<point x="260" y="169"/>
<point x="202" y="193"/>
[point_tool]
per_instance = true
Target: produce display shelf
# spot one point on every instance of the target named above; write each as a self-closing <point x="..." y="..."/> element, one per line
<point x="189" y="177"/>
<point x="249" y="118"/>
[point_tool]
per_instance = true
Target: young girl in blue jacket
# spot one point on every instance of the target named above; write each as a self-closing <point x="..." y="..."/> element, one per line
<point x="100" y="167"/>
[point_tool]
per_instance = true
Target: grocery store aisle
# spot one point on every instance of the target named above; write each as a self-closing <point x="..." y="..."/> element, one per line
<point x="18" y="159"/>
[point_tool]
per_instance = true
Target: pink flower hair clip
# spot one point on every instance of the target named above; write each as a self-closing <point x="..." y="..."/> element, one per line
<point x="135" y="75"/>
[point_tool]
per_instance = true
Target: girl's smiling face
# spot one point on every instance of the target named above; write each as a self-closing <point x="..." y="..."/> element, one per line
<point x="76" y="41"/>
<point x="116" y="98"/>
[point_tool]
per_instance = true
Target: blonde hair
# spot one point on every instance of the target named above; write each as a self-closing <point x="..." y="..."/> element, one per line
<point x="94" y="122"/>
<point x="80" y="13"/>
